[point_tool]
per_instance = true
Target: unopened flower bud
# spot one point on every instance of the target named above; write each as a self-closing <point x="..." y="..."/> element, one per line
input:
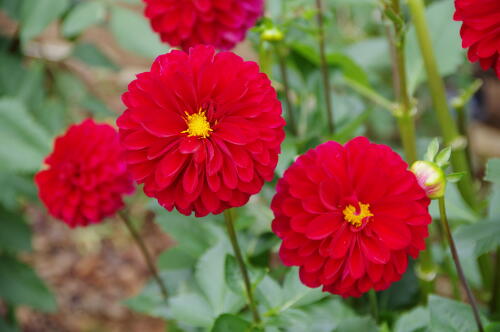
<point x="430" y="177"/>
<point x="272" y="35"/>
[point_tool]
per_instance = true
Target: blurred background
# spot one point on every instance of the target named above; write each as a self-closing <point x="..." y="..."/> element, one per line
<point x="64" y="60"/>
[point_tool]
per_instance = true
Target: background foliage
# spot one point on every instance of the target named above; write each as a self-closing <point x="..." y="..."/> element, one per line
<point x="41" y="93"/>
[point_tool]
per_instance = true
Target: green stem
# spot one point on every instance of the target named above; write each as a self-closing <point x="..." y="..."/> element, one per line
<point x="405" y="116"/>
<point x="286" y="86"/>
<point x="324" y="66"/>
<point x="438" y="93"/>
<point x="495" y="299"/>
<point x="265" y="59"/>
<point x="448" y="265"/>
<point x="228" y="217"/>
<point x="145" y="253"/>
<point x="373" y="304"/>
<point x="371" y="95"/>
<point x="458" y="265"/>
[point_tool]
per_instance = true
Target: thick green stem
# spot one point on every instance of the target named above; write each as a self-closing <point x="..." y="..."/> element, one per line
<point x="145" y="253"/>
<point x="406" y="120"/>
<point x="228" y="217"/>
<point x="438" y="92"/>
<point x="458" y="265"/>
<point x="286" y="86"/>
<point x="324" y="66"/>
<point x="373" y="304"/>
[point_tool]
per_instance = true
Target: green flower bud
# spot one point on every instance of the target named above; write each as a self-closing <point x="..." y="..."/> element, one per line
<point x="272" y="35"/>
<point x="430" y="177"/>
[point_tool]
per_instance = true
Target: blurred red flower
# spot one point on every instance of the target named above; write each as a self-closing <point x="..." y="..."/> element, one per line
<point x="480" y="31"/>
<point x="202" y="130"/>
<point x="349" y="216"/>
<point x="86" y="176"/>
<point x="186" y="23"/>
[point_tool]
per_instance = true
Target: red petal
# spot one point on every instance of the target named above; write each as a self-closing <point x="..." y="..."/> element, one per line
<point x="356" y="262"/>
<point x="374" y="250"/>
<point x="322" y="226"/>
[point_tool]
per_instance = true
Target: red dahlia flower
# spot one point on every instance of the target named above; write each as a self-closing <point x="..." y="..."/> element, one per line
<point x="349" y="216"/>
<point x="186" y="23"/>
<point x="480" y="31"/>
<point x="86" y="176"/>
<point x="202" y="130"/>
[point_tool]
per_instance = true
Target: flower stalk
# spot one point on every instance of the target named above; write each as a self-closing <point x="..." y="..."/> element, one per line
<point x="495" y="299"/>
<point x="458" y="265"/>
<point x="405" y="115"/>
<point x="286" y="87"/>
<point x="324" y="66"/>
<point x="372" y="295"/>
<point x="228" y="217"/>
<point x="145" y="253"/>
<point x="437" y="88"/>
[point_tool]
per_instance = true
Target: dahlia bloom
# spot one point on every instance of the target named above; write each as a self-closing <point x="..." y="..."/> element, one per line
<point x="480" y="31"/>
<point x="349" y="216"/>
<point x="202" y="130"/>
<point x="186" y="23"/>
<point x="85" y="177"/>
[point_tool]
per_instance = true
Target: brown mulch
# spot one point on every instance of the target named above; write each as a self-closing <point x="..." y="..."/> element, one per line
<point x="91" y="271"/>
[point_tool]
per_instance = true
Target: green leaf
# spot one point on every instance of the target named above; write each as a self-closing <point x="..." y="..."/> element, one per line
<point x="52" y="114"/>
<point x="15" y="186"/>
<point x="192" y="309"/>
<point x="191" y="233"/>
<point x="25" y="143"/>
<point x="451" y="316"/>
<point x="93" y="56"/>
<point x="16" y="234"/>
<point x="296" y="294"/>
<point x="447" y="46"/>
<point x="270" y="293"/>
<point x="82" y="16"/>
<point x="234" y="279"/>
<point x="36" y="15"/>
<point x="70" y="87"/>
<point x="96" y="106"/>
<point x="477" y="239"/>
<point x="6" y="327"/>
<point x="175" y="258"/>
<point x="348" y="67"/>
<point x="210" y="276"/>
<point x="133" y="33"/>
<point x="457" y="209"/>
<point x="493" y="170"/>
<point x="231" y="323"/>
<point x="287" y="155"/>
<point x="432" y="150"/>
<point x="455" y="177"/>
<point x="415" y="320"/>
<point x="19" y="285"/>
<point x="493" y="327"/>
<point x="443" y="157"/>
<point x="12" y="8"/>
<point x="349" y="130"/>
<point x="365" y="324"/>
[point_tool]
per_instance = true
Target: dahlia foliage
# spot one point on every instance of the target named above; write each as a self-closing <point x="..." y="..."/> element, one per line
<point x="480" y="31"/>
<point x="349" y="216"/>
<point x="202" y="130"/>
<point x="85" y="177"/>
<point x="186" y="23"/>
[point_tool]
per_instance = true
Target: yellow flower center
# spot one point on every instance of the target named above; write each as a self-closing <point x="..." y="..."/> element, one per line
<point x="198" y="124"/>
<point x="355" y="217"/>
